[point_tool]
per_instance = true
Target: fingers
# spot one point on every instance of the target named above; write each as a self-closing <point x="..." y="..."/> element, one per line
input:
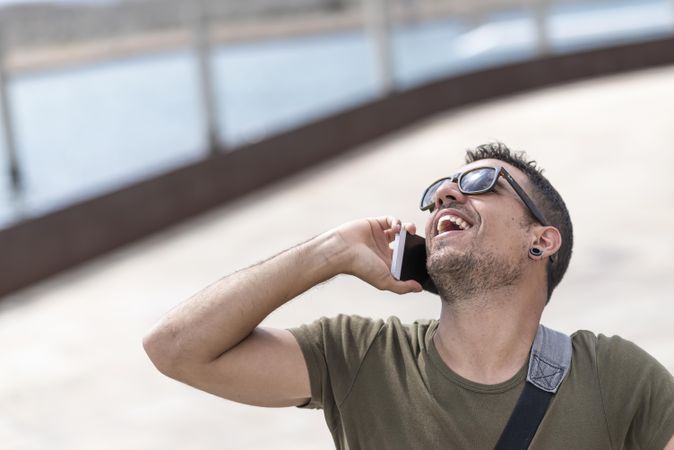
<point x="410" y="227"/>
<point x="393" y="222"/>
<point x="394" y="225"/>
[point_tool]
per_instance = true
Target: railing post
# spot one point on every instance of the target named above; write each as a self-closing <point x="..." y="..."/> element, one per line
<point x="541" y="24"/>
<point x="202" y="47"/>
<point x="8" y="126"/>
<point x="377" y="16"/>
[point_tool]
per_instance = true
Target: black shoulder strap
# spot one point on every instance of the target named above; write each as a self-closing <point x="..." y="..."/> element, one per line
<point x="524" y="421"/>
<point x="549" y="362"/>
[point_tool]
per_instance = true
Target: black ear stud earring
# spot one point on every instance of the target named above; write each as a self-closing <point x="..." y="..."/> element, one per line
<point x="535" y="251"/>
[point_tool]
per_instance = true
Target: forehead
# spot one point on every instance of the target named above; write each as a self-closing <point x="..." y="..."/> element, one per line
<point x="516" y="173"/>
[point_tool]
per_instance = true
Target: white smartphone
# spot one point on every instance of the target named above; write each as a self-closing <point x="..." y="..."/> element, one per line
<point x="409" y="260"/>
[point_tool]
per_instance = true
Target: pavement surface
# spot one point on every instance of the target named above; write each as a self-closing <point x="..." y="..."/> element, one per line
<point x="73" y="373"/>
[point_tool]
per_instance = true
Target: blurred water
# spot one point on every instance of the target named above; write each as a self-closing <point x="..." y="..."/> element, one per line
<point x="432" y="50"/>
<point x="269" y="86"/>
<point x="574" y="27"/>
<point x="84" y="131"/>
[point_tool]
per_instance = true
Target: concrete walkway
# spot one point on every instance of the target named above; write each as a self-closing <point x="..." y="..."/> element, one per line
<point x="73" y="375"/>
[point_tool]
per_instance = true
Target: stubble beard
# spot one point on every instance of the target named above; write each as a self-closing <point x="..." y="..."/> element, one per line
<point x="460" y="277"/>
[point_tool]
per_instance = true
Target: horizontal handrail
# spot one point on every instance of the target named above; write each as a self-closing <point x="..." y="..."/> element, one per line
<point x="43" y="246"/>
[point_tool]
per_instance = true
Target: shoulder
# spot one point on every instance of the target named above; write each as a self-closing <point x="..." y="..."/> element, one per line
<point x="612" y="351"/>
<point x="626" y="373"/>
<point x="353" y="330"/>
<point x="637" y="392"/>
<point x="419" y="326"/>
<point x="396" y="337"/>
<point x="619" y="366"/>
<point x="342" y="330"/>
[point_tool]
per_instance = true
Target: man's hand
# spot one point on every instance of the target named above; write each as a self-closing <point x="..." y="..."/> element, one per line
<point x="367" y="244"/>
<point x="213" y="341"/>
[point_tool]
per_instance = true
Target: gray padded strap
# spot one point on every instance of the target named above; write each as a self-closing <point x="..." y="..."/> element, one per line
<point x="550" y="359"/>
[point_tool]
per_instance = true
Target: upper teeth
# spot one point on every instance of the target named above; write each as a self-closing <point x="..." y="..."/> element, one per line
<point x="457" y="220"/>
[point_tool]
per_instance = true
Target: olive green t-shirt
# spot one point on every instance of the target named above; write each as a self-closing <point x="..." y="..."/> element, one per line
<point x="382" y="385"/>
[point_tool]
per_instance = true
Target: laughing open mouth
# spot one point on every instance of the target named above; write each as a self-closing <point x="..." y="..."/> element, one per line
<point x="449" y="222"/>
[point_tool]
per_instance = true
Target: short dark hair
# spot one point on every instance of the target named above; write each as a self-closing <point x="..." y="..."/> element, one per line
<point x="546" y="197"/>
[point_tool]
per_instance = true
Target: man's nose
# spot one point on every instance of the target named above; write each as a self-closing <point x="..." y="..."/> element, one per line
<point x="448" y="193"/>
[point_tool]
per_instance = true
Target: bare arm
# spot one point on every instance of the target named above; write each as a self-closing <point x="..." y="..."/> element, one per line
<point x="670" y="444"/>
<point x="213" y="342"/>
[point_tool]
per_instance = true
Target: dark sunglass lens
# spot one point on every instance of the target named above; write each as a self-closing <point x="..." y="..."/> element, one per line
<point x="429" y="195"/>
<point x="478" y="180"/>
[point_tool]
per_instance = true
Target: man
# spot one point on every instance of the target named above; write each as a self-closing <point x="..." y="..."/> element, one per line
<point x="499" y="240"/>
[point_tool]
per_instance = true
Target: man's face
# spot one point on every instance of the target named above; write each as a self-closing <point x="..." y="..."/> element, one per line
<point x="478" y="241"/>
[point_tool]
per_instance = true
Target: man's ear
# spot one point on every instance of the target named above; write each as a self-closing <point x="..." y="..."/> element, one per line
<point x="549" y="240"/>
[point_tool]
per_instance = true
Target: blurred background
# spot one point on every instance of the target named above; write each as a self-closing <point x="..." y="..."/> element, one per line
<point x="138" y="140"/>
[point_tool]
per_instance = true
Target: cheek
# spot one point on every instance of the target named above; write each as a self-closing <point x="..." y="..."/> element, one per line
<point x="508" y="235"/>
<point x="428" y="228"/>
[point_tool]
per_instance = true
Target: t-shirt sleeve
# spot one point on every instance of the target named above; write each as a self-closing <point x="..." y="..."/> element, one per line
<point x="638" y="395"/>
<point x="334" y="350"/>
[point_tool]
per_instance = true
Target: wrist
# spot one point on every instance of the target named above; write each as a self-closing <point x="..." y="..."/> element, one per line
<point x="330" y="254"/>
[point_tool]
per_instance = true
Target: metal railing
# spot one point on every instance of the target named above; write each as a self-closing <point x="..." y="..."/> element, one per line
<point x="8" y="128"/>
<point x="207" y="88"/>
<point x="379" y="18"/>
<point x="78" y="231"/>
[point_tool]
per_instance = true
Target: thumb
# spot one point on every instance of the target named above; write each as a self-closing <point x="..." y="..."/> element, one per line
<point x="404" y="287"/>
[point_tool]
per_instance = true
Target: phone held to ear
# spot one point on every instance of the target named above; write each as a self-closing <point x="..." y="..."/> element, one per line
<point x="409" y="260"/>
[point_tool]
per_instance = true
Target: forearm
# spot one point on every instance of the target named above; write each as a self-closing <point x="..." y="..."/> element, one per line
<point x="212" y="341"/>
<point x="220" y="316"/>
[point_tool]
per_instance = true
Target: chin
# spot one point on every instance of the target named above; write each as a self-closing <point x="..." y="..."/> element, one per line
<point x="442" y="255"/>
<point x="448" y="263"/>
<point x="459" y="274"/>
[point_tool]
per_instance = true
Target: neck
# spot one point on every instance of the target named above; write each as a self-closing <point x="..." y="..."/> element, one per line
<point x="487" y="338"/>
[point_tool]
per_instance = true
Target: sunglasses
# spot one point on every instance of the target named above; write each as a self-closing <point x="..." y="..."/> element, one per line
<point x="479" y="181"/>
